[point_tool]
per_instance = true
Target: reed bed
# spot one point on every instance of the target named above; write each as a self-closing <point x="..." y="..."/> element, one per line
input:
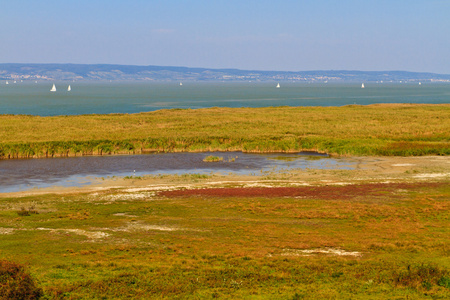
<point x="387" y="129"/>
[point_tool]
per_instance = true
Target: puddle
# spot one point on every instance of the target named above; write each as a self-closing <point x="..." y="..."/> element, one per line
<point x="26" y="174"/>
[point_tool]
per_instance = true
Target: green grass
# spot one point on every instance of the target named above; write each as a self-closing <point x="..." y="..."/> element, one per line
<point x="211" y="158"/>
<point x="116" y="245"/>
<point x="396" y="129"/>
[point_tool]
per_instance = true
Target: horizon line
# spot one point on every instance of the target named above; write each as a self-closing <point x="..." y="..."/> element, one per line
<point x="216" y="68"/>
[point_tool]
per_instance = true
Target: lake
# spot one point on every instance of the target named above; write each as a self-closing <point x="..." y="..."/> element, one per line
<point x="132" y="97"/>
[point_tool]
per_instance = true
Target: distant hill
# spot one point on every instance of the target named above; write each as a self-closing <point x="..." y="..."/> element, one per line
<point x="161" y="73"/>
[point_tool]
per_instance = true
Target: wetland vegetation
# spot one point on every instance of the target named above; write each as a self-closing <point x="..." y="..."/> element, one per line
<point x="368" y="233"/>
<point x="396" y="129"/>
<point x="359" y="241"/>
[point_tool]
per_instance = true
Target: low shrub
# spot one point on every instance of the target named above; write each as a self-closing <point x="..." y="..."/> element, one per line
<point x="16" y="283"/>
<point x="422" y="276"/>
<point x="24" y="212"/>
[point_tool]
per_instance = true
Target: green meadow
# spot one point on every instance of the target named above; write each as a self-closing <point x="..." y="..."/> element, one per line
<point x="366" y="241"/>
<point x="397" y="129"/>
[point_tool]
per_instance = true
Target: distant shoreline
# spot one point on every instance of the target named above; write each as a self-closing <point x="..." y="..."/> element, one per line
<point x="24" y="71"/>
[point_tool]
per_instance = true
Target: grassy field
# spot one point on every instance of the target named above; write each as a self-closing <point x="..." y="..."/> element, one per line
<point x="397" y="129"/>
<point x="358" y="241"/>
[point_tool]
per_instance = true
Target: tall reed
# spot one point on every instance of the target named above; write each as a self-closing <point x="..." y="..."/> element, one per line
<point x="350" y="130"/>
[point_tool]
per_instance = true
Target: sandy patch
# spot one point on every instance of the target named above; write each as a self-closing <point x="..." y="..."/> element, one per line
<point x="155" y="188"/>
<point x="143" y="227"/>
<point x="326" y="251"/>
<point x="124" y="215"/>
<point x="139" y="226"/>
<point x="88" y="234"/>
<point x="435" y="175"/>
<point x="258" y="185"/>
<point x="126" y="197"/>
<point x="6" y="230"/>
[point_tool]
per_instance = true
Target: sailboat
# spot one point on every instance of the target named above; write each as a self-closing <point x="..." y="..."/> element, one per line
<point x="69" y="88"/>
<point x="7" y="82"/>
<point x="181" y="83"/>
<point x="362" y="85"/>
<point x="278" y="86"/>
<point x="53" y="88"/>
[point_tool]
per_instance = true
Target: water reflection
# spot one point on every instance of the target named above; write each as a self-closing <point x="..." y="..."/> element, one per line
<point x="25" y="174"/>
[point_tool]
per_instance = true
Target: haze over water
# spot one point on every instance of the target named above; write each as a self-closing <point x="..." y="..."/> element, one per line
<point x="133" y="97"/>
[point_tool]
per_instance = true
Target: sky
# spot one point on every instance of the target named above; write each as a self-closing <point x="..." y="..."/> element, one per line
<point x="282" y="35"/>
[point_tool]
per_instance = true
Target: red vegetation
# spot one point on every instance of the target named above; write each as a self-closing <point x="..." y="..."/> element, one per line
<point x="311" y="192"/>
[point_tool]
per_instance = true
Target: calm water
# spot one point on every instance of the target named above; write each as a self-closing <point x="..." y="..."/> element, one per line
<point x="25" y="174"/>
<point x="104" y="97"/>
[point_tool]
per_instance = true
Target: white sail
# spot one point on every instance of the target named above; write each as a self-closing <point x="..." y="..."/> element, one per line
<point x="69" y="88"/>
<point x="53" y="88"/>
<point x="362" y="85"/>
<point x="7" y="82"/>
<point x="181" y="83"/>
<point x="278" y="86"/>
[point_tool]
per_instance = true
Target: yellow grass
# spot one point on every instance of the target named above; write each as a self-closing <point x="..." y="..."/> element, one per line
<point x="397" y="129"/>
<point x="396" y="121"/>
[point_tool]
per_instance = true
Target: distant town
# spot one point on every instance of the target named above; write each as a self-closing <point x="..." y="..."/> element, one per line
<point x="102" y="72"/>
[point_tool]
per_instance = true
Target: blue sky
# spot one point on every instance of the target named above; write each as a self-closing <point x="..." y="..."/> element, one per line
<point x="411" y="35"/>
